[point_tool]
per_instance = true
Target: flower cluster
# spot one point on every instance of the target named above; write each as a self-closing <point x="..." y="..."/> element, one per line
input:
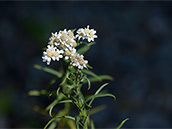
<point x="63" y="44"/>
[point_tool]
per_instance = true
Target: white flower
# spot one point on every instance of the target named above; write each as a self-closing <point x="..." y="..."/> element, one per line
<point x="86" y="33"/>
<point x="48" y="54"/>
<point x="53" y="37"/>
<point x="69" y="52"/>
<point x="57" y="54"/>
<point x="79" y="61"/>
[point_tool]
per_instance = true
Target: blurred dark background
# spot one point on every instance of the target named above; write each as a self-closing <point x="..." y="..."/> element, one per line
<point x="134" y="46"/>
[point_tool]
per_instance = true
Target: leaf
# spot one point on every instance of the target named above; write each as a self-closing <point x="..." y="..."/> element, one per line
<point x="85" y="48"/>
<point x="89" y="83"/>
<point x="65" y="78"/>
<point x="77" y="122"/>
<point x="91" y="73"/>
<point x="92" y="125"/>
<point x="37" y="93"/>
<point x="63" y="101"/>
<point x="71" y="124"/>
<point x="57" y="92"/>
<point x="58" y="117"/>
<point x="100" y="95"/>
<point x="101" y="87"/>
<point x="34" y="93"/>
<point x="100" y="78"/>
<point x="122" y="123"/>
<point x="96" y="109"/>
<point x="49" y="70"/>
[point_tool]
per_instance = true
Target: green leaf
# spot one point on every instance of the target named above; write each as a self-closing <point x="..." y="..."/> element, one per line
<point x="37" y="93"/>
<point x="60" y="97"/>
<point x="92" y="125"/>
<point x="57" y="92"/>
<point x="100" y="78"/>
<point x="89" y="83"/>
<point x="100" y="95"/>
<point x="96" y="109"/>
<point x="49" y="70"/>
<point x="85" y="48"/>
<point x="91" y="73"/>
<point x="101" y="87"/>
<point x="65" y="101"/>
<point x="77" y="122"/>
<point x="122" y="123"/>
<point x="34" y="93"/>
<point x="71" y="124"/>
<point x="65" y="78"/>
<point x="58" y="117"/>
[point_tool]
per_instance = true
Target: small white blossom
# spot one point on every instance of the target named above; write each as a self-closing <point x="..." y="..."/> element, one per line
<point x="79" y="61"/>
<point x="48" y="54"/>
<point x="53" y="37"/>
<point x="86" y="33"/>
<point x="69" y="52"/>
<point x="57" y="54"/>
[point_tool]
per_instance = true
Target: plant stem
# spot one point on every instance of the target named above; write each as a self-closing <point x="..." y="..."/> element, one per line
<point x="81" y="106"/>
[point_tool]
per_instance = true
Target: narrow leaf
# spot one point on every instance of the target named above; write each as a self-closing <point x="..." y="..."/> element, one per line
<point x="92" y="125"/>
<point x="65" y="78"/>
<point x="89" y="83"/>
<point x="122" y="123"/>
<point x="58" y="117"/>
<point x="100" y="78"/>
<point x="96" y="109"/>
<point x="101" y="88"/>
<point x="49" y="70"/>
<point x="100" y="95"/>
<point x="85" y="48"/>
<point x="91" y="73"/>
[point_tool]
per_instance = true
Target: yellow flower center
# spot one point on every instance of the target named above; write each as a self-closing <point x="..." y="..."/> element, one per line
<point x="70" y="34"/>
<point x="81" y="34"/>
<point x="91" y="35"/>
<point x="80" y="60"/>
<point x="57" y="40"/>
<point x="74" y="43"/>
<point x="62" y="45"/>
<point x="56" y="54"/>
<point x="51" y="42"/>
<point x="63" y="37"/>
<point x="49" y="53"/>
<point x="67" y="52"/>
<point x="73" y="55"/>
<point x="68" y="41"/>
<point x="87" y="30"/>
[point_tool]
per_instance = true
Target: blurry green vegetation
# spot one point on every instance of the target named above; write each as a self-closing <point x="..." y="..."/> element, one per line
<point x="6" y="101"/>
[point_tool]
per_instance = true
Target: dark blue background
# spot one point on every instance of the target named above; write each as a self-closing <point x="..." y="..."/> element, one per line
<point x="134" y="46"/>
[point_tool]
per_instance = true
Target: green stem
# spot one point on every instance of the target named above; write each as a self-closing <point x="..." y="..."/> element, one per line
<point x="81" y="107"/>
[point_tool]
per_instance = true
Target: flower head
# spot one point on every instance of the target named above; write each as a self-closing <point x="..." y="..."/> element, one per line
<point x="79" y="61"/>
<point x="48" y="54"/>
<point x="86" y="33"/>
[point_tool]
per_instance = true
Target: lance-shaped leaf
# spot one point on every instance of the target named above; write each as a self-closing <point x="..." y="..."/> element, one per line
<point x="92" y="125"/>
<point x="122" y="123"/>
<point x="65" y="78"/>
<point x="37" y="93"/>
<point x="101" y="77"/>
<point x="49" y="70"/>
<point x="100" y="95"/>
<point x="88" y="72"/>
<point x="96" y="95"/>
<point x="58" y="117"/>
<point x="85" y="48"/>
